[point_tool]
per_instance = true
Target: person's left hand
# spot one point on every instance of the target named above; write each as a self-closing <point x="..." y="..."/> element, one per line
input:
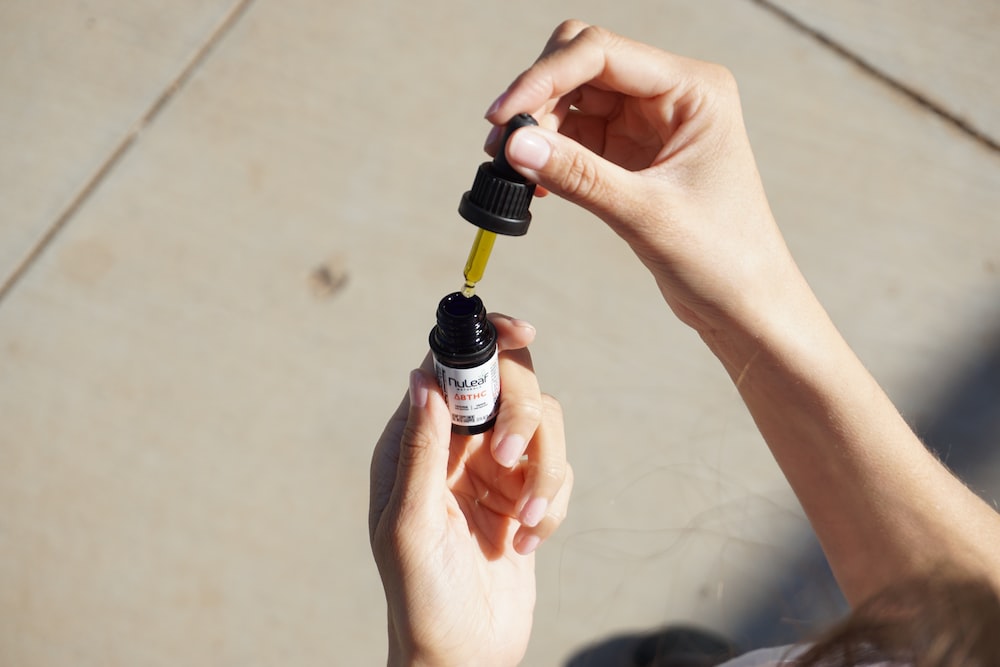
<point x="454" y="520"/>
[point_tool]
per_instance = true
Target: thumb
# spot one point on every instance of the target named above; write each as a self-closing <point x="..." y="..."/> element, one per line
<point x="424" y="445"/>
<point x="561" y="165"/>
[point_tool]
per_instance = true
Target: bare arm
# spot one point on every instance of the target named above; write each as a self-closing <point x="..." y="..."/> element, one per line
<point x="654" y="144"/>
<point x="883" y="507"/>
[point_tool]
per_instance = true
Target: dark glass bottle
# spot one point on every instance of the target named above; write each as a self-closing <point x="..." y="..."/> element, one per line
<point x="464" y="345"/>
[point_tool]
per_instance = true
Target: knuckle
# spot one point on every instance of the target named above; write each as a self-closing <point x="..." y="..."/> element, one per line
<point x="538" y="83"/>
<point x="414" y="445"/>
<point x="524" y="408"/>
<point x="552" y="406"/>
<point x="557" y="515"/>
<point x="597" y="34"/>
<point x="722" y="79"/>
<point x="570" y="28"/>
<point x="551" y="474"/>
<point x="581" y="180"/>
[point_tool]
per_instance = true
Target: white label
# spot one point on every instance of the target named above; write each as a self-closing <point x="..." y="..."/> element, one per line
<point x="473" y="394"/>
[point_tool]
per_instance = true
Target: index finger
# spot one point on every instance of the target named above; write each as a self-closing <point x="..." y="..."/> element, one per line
<point x="596" y="56"/>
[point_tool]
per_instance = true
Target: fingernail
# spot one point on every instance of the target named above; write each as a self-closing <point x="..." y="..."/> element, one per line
<point x="509" y="450"/>
<point x="493" y="136"/>
<point x="533" y="512"/>
<point x="529" y="149"/>
<point x="418" y="389"/>
<point x="496" y="104"/>
<point x="528" y="544"/>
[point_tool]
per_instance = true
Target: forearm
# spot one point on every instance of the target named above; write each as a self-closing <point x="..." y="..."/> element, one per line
<point x="882" y="506"/>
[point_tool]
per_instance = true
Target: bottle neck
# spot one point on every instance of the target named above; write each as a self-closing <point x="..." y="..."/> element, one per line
<point x="462" y="331"/>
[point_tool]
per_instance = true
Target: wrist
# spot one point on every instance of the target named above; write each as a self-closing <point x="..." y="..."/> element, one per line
<point x="790" y="331"/>
<point x="403" y="655"/>
<point x="760" y="303"/>
<point x="398" y="657"/>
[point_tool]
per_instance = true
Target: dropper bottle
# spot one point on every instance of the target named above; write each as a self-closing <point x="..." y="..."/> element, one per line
<point x="466" y="363"/>
<point x="497" y="204"/>
<point x="464" y="341"/>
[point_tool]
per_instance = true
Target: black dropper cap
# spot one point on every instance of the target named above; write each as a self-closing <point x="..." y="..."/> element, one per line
<point x="499" y="198"/>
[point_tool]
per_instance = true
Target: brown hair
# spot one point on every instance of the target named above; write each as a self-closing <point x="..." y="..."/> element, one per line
<point x="930" y="622"/>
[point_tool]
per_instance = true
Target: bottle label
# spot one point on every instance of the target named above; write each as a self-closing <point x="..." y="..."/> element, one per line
<point x="473" y="394"/>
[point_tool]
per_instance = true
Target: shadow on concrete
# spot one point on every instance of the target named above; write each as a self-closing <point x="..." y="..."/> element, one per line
<point x="963" y="430"/>
<point x="676" y="646"/>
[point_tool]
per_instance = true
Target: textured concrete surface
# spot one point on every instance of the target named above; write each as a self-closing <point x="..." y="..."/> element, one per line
<point x="945" y="53"/>
<point x="226" y="226"/>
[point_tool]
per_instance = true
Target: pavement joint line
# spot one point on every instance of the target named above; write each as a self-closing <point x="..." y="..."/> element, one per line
<point x="235" y="13"/>
<point x="914" y="95"/>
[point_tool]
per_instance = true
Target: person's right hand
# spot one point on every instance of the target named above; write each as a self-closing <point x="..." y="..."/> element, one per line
<point x="654" y="144"/>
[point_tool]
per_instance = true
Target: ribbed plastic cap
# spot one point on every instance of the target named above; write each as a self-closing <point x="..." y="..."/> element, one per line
<point x="500" y="197"/>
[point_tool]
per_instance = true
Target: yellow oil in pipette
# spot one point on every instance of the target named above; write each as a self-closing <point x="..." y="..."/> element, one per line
<point x="475" y="266"/>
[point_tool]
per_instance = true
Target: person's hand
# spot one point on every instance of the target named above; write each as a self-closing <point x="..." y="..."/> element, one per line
<point x="654" y="144"/>
<point x="454" y="520"/>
